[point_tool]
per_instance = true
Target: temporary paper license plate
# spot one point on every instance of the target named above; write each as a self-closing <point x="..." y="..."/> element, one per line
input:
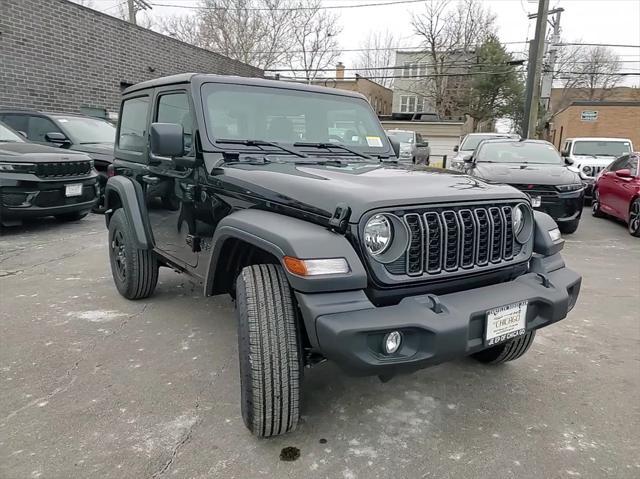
<point x="536" y="201"/>
<point x="73" y="190"/>
<point x="506" y="322"/>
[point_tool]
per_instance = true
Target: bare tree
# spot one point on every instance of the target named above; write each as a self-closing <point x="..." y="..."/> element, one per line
<point x="315" y="43"/>
<point x="450" y="35"/>
<point x="378" y="51"/>
<point x="588" y="73"/>
<point x="257" y="32"/>
<point x="185" y="28"/>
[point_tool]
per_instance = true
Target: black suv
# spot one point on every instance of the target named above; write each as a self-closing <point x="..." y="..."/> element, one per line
<point x="37" y="181"/>
<point x="289" y="198"/>
<point x="92" y="136"/>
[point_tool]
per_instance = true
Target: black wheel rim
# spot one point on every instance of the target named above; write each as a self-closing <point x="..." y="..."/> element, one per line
<point x="634" y="217"/>
<point x="119" y="255"/>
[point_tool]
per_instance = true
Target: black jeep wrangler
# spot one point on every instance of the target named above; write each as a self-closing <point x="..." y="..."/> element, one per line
<point x="289" y="198"/>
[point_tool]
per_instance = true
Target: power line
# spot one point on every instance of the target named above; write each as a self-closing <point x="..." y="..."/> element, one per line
<point x="320" y="7"/>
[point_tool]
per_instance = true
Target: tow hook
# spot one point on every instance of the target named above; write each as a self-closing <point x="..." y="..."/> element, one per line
<point x="546" y="282"/>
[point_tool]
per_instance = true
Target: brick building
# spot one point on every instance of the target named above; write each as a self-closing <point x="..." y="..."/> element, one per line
<point x="57" y="55"/>
<point x="378" y="95"/>
<point x="585" y="118"/>
<point x="563" y="97"/>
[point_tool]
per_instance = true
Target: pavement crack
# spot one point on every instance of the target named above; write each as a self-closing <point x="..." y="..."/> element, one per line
<point x="4" y="274"/>
<point x="41" y="399"/>
<point x="175" y="450"/>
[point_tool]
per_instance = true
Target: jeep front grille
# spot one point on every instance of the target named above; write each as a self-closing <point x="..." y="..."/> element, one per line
<point x="63" y="169"/>
<point x="455" y="239"/>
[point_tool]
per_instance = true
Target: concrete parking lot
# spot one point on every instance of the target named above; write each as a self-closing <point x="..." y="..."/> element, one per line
<point x="93" y="385"/>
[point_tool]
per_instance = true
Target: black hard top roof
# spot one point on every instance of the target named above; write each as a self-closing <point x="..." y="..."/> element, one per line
<point x="235" y="80"/>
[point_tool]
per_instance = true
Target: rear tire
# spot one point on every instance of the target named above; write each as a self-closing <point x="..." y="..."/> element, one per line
<point x="595" y="206"/>
<point x="134" y="270"/>
<point x="269" y="349"/>
<point x="508" y="351"/>
<point x="634" y="218"/>
<point x="569" y="227"/>
<point x="75" y="216"/>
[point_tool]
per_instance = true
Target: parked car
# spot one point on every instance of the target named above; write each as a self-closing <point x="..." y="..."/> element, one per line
<point x="468" y="145"/>
<point x="536" y="168"/>
<point x="617" y="192"/>
<point x="38" y="181"/>
<point x="87" y="134"/>
<point x="413" y="147"/>
<point x="589" y="156"/>
<point x="330" y="251"/>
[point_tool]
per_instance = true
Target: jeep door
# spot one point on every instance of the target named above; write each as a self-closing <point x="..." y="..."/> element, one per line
<point x="170" y="190"/>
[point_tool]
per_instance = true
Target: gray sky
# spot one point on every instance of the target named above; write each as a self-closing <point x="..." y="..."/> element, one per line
<point x="591" y="21"/>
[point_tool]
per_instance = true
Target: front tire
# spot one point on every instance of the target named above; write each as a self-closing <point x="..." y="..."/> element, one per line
<point x="268" y="344"/>
<point x="634" y="218"/>
<point x="596" y="212"/>
<point x="508" y="351"/>
<point x="569" y="227"/>
<point x="134" y="270"/>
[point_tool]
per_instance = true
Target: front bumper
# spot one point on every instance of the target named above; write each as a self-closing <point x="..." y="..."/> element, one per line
<point x="350" y="330"/>
<point x="563" y="206"/>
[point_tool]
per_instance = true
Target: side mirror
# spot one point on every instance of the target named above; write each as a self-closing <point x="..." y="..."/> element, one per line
<point x="167" y="139"/>
<point x="395" y="144"/>
<point x="467" y="158"/>
<point x="624" y="173"/>
<point x="456" y="148"/>
<point x="57" y="138"/>
<point x="568" y="161"/>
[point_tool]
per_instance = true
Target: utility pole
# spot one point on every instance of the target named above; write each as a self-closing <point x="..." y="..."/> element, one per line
<point x="550" y="65"/>
<point x="134" y="6"/>
<point x="536" y="52"/>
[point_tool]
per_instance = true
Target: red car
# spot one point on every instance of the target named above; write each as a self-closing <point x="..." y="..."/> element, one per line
<point x="617" y="192"/>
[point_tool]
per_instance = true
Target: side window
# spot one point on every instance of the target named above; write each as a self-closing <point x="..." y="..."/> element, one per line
<point x="38" y="128"/>
<point x="17" y="122"/>
<point x="174" y="108"/>
<point x="133" y="124"/>
<point x="633" y="165"/>
<point x="620" y="164"/>
<point x="567" y="147"/>
<point x="419" y="139"/>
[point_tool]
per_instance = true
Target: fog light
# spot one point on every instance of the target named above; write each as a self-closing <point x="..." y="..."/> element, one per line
<point x="392" y="342"/>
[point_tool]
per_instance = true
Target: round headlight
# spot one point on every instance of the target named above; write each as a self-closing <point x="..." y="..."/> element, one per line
<point x="586" y="169"/>
<point x="378" y="234"/>
<point x="522" y="223"/>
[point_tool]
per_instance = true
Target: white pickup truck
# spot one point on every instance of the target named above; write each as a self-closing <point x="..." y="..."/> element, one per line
<point x="589" y="156"/>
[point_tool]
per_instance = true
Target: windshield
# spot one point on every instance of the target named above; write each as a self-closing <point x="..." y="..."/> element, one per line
<point x="8" y="136"/>
<point x="85" y="130"/>
<point x="601" y="148"/>
<point x="470" y="142"/>
<point x="401" y="136"/>
<point x="242" y="112"/>
<point x="518" y="152"/>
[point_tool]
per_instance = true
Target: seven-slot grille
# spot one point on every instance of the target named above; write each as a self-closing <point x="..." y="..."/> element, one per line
<point x="457" y="239"/>
<point x="63" y="169"/>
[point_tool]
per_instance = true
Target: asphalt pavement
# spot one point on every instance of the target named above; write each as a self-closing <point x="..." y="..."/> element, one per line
<point x="95" y="386"/>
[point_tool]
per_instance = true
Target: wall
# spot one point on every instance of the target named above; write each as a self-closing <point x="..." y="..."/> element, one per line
<point x="57" y="55"/>
<point x="563" y="97"/>
<point x="622" y="121"/>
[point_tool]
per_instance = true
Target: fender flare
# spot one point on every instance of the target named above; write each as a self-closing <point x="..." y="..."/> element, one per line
<point x="282" y="236"/>
<point x="130" y="198"/>
<point x="542" y="242"/>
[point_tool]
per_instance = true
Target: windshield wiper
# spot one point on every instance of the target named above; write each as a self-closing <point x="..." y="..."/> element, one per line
<point x="260" y="143"/>
<point x="328" y="146"/>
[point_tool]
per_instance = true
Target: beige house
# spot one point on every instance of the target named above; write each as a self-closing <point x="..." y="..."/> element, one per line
<point x="380" y="97"/>
<point x="615" y="119"/>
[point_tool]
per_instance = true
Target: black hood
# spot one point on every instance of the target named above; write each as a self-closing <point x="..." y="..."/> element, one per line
<point x="33" y="153"/>
<point x="97" y="151"/>
<point x="517" y="173"/>
<point x="361" y="186"/>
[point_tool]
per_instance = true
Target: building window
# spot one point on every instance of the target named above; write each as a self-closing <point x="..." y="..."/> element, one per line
<point x="414" y="69"/>
<point x="412" y="104"/>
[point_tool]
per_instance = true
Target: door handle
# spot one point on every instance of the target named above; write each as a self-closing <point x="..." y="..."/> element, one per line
<point x="151" y="180"/>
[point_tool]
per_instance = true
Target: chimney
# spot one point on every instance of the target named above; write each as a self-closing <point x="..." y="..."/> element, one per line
<point x="340" y="71"/>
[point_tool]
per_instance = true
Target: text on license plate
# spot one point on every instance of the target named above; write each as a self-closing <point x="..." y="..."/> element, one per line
<point x="506" y="322"/>
<point x="73" y="190"/>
